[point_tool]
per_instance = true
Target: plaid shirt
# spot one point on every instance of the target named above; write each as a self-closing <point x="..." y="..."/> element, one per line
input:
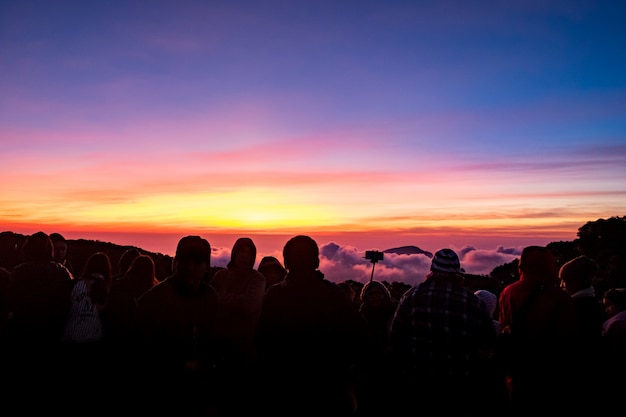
<point x="440" y="329"/>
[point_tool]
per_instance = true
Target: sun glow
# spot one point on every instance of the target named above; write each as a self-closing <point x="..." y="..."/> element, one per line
<point x="241" y="209"/>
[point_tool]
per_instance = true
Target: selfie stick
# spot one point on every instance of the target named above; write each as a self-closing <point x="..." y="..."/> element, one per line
<point x="373" y="265"/>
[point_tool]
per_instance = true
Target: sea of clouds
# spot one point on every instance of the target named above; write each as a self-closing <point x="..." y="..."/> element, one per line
<point x="342" y="263"/>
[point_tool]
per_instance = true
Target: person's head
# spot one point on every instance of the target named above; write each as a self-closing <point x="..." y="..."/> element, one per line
<point x="301" y="253"/>
<point x="374" y="293"/>
<point x="272" y="269"/>
<point x="126" y="259"/>
<point x="243" y="254"/>
<point x="192" y="261"/>
<point x="488" y="300"/>
<point x="537" y="263"/>
<point x="445" y="263"/>
<point x="577" y="274"/>
<point x="38" y="247"/>
<point x="98" y="271"/>
<point x="61" y="247"/>
<point x="98" y="263"/>
<point x="614" y="301"/>
<point x="142" y="270"/>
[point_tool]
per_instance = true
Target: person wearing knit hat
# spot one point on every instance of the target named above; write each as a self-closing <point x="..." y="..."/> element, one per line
<point x="446" y="261"/>
<point x="489" y="301"/>
<point x="441" y="329"/>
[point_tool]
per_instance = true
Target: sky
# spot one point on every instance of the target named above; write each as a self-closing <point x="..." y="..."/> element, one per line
<point x="482" y="126"/>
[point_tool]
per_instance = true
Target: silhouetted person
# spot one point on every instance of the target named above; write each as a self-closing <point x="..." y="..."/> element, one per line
<point x="614" y="327"/>
<point x="61" y="251"/>
<point x="240" y="289"/>
<point x="5" y="281"/>
<point x="489" y="302"/>
<point x="542" y="317"/>
<point x="123" y="263"/>
<point x="440" y="334"/>
<point x="89" y="297"/>
<point x="38" y="304"/>
<point x="85" y="352"/>
<point x="587" y="363"/>
<point x="493" y="385"/>
<point x="614" y="347"/>
<point x="272" y="269"/>
<point x="577" y="279"/>
<point x="377" y="309"/>
<point x="39" y="296"/>
<point x="309" y="339"/>
<point x="120" y="310"/>
<point x="175" y="326"/>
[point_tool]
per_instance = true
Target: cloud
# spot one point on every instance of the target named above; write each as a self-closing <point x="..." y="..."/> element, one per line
<point x="482" y="261"/>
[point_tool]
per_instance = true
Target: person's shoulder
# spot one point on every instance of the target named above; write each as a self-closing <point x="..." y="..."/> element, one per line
<point x="279" y="293"/>
<point x="332" y="287"/>
<point x="157" y="290"/>
<point x="218" y="278"/>
<point x="258" y="275"/>
<point x="616" y="325"/>
<point x="222" y="272"/>
<point x="255" y="277"/>
<point x="78" y="285"/>
<point x="335" y="293"/>
<point x="208" y="290"/>
<point x="276" y="289"/>
<point x="59" y="269"/>
<point x="17" y="270"/>
<point x="511" y="288"/>
<point x="331" y="284"/>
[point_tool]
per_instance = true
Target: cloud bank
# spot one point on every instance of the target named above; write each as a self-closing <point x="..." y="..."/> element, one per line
<point x="342" y="263"/>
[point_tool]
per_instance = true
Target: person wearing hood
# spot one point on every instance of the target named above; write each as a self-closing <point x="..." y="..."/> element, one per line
<point x="543" y="318"/>
<point x="240" y="289"/>
<point x="273" y="270"/>
<point x="174" y="343"/>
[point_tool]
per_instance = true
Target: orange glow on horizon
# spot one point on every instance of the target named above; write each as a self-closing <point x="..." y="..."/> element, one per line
<point x="429" y="231"/>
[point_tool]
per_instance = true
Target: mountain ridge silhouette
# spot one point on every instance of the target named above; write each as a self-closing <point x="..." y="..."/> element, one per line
<point x="408" y="250"/>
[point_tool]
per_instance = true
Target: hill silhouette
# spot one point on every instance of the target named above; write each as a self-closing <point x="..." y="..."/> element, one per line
<point x="408" y="250"/>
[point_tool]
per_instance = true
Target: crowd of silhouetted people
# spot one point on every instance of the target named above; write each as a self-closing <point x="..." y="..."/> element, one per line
<point x="280" y="339"/>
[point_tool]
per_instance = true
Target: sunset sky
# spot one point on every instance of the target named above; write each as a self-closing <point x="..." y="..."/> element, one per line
<point x="366" y="124"/>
